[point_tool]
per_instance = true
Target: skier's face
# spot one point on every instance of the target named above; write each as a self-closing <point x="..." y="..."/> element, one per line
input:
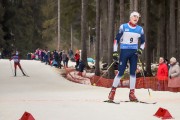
<point x="134" y="19"/>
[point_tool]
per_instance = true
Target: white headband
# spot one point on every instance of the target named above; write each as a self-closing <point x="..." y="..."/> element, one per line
<point x="135" y="14"/>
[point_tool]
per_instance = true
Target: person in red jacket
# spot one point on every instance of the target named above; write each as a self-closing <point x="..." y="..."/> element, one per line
<point x="16" y="60"/>
<point x="162" y="75"/>
<point x="77" y="58"/>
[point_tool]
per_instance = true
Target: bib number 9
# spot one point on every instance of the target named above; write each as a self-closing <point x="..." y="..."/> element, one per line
<point x="131" y="40"/>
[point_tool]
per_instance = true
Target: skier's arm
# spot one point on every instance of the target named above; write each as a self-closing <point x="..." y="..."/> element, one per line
<point x="118" y="37"/>
<point x="142" y="40"/>
<point x="119" y="34"/>
<point x="142" y="43"/>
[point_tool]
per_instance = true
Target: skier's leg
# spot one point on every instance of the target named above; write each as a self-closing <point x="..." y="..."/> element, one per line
<point x="121" y="68"/>
<point x="15" y="66"/>
<point x="19" y="65"/>
<point x="133" y="67"/>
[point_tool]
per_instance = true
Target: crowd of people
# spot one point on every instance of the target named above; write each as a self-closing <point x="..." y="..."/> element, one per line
<point x="55" y="58"/>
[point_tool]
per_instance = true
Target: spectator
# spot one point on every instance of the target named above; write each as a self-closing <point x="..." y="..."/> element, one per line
<point x="46" y="59"/>
<point x="162" y="75"/>
<point x="77" y="58"/>
<point x="56" y="57"/>
<point x="81" y="67"/>
<point x="60" y="59"/>
<point x="65" y="59"/>
<point x="174" y="75"/>
<point x="70" y="52"/>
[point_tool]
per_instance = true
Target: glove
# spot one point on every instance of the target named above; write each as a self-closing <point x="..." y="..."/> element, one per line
<point x="115" y="53"/>
<point x="139" y="51"/>
<point x="115" y="56"/>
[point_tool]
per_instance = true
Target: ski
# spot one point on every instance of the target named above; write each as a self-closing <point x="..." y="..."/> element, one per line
<point x="26" y="75"/>
<point x="139" y="102"/>
<point x="21" y="76"/>
<point x="109" y="101"/>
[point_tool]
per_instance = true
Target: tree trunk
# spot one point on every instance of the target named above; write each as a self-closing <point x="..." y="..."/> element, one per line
<point x="143" y="21"/>
<point x="161" y="31"/>
<point x="111" y="38"/>
<point x="178" y="32"/>
<point x="172" y="31"/>
<point x="135" y="5"/>
<point x="167" y="6"/>
<point x="97" y="70"/>
<point x="147" y="33"/>
<point x="121" y="11"/>
<point x="59" y="25"/>
<point x="84" y="32"/>
<point x="104" y="17"/>
<point x="131" y="6"/>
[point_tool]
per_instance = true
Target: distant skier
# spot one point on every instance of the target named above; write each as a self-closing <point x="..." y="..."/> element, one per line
<point x="128" y="35"/>
<point x="16" y="60"/>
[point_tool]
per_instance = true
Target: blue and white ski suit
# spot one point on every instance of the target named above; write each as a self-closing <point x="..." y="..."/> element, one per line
<point x="129" y="37"/>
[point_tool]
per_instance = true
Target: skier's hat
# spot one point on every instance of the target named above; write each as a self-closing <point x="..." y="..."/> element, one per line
<point x="134" y="13"/>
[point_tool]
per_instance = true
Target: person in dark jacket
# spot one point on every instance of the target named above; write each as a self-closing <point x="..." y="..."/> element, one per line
<point x="81" y="67"/>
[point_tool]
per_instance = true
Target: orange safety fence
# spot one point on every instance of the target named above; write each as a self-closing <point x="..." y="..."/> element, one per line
<point x="141" y="82"/>
<point x="72" y="75"/>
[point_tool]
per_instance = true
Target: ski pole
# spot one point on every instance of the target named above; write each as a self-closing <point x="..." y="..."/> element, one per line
<point x="104" y="73"/>
<point x="144" y="75"/>
<point x="11" y="68"/>
<point x="25" y="72"/>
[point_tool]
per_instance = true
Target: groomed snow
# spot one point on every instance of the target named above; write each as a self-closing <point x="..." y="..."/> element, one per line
<point x="49" y="96"/>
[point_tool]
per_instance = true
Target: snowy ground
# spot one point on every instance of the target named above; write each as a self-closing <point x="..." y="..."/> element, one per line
<point x="49" y="96"/>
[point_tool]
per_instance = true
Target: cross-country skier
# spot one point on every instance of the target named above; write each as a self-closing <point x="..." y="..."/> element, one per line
<point x="16" y="60"/>
<point x="128" y="36"/>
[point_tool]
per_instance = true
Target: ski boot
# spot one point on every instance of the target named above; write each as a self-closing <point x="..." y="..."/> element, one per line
<point x="112" y="94"/>
<point x="132" y="96"/>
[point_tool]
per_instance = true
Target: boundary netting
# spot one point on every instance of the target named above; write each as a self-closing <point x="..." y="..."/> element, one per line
<point x="141" y="82"/>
